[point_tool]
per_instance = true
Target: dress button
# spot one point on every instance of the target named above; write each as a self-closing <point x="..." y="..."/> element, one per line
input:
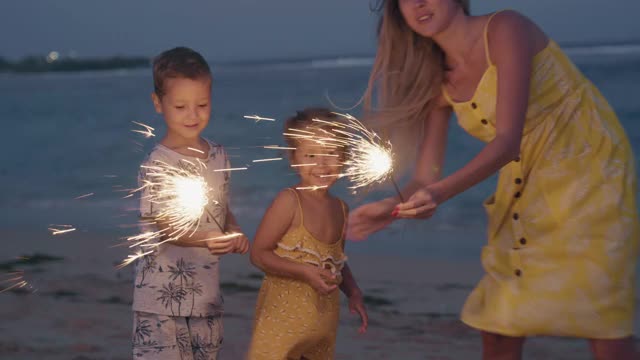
<point x="516" y="216"/>
<point x="484" y="121"/>
<point x="518" y="181"/>
<point x="474" y="106"/>
<point x="518" y="272"/>
<point x="523" y="241"/>
<point x="517" y="195"/>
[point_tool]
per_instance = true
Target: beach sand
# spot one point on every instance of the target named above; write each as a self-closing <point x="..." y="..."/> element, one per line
<point x="81" y="306"/>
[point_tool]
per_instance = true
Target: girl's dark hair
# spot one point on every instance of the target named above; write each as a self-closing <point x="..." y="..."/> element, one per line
<point x="304" y="119"/>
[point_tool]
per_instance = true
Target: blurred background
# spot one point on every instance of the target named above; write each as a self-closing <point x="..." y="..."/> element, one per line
<point x="74" y="75"/>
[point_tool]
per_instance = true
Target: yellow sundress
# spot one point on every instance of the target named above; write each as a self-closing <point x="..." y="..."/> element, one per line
<point x="292" y="320"/>
<point x="563" y="222"/>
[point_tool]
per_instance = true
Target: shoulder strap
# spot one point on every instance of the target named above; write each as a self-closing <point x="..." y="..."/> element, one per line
<point x="344" y="221"/>
<point x="486" y="36"/>
<point x="299" y="205"/>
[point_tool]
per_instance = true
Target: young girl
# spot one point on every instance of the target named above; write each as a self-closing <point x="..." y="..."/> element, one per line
<point x="563" y="224"/>
<point x="299" y="245"/>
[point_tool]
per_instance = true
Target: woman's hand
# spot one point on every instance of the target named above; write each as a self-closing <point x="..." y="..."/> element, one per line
<point x="319" y="279"/>
<point x="369" y="218"/>
<point x="421" y="205"/>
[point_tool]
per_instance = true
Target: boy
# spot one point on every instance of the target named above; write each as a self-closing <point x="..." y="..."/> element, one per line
<point x="177" y="304"/>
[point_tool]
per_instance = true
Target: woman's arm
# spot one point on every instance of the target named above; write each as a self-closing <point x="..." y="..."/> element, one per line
<point x="431" y="153"/>
<point x="432" y="150"/>
<point x="510" y="47"/>
<point x="373" y="217"/>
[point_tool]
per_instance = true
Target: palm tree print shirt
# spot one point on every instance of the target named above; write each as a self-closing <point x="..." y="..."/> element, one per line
<point x="175" y="280"/>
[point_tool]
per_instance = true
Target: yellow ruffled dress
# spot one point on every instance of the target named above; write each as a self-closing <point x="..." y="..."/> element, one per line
<point x="563" y="222"/>
<point x="292" y="320"/>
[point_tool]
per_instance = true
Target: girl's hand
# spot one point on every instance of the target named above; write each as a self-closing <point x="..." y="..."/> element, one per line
<point x="317" y="278"/>
<point x="421" y="205"/>
<point x="356" y="305"/>
<point x="369" y="218"/>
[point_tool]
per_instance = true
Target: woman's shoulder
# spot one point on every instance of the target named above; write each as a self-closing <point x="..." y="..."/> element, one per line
<point x="508" y="28"/>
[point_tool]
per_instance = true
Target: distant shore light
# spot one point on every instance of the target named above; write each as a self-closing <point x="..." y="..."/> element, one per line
<point x="53" y="56"/>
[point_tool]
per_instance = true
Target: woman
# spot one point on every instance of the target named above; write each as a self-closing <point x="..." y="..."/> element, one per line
<point x="563" y="223"/>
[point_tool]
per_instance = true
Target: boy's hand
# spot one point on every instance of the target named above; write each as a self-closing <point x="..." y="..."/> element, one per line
<point x="241" y="244"/>
<point x="317" y="278"/>
<point x="219" y="243"/>
<point x="356" y="305"/>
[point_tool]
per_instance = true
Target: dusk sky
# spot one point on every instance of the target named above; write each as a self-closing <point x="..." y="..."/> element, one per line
<point x="261" y="29"/>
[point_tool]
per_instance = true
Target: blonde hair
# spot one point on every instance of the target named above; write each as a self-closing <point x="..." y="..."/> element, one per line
<point x="406" y="78"/>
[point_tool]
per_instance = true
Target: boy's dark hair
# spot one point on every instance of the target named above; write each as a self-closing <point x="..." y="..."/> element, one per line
<point x="179" y="62"/>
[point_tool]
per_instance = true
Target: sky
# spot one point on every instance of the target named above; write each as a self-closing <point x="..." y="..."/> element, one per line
<point x="227" y="30"/>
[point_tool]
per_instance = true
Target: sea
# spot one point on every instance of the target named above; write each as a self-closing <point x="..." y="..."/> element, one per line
<point x="70" y="135"/>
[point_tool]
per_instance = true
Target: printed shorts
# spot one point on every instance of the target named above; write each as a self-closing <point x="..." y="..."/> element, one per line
<point x="161" y="337"/>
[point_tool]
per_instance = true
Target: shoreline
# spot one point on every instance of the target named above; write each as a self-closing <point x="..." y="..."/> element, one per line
<point x="81" y="308"/>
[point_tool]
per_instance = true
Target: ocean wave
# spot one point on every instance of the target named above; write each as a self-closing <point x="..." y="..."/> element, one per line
<point x="603" y="50"/>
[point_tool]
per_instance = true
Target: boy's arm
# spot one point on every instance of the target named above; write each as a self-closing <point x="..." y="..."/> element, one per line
<point x="231" y="222"/>
<point x="240" y="242"/>
<point x="190" y="239"/>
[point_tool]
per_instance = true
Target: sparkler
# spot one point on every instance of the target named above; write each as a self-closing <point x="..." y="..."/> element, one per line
<point x="182" y="194"/>
<point x="258" y="118"/>
<point x="369" y="159"/>
<point x="83" y="196"/>
<point x="147" y="132"/>
<point x="16" y="280"/>
<point x="61" y="229"/>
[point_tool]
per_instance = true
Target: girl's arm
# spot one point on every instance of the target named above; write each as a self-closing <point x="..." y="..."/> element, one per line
<point x="510" y="42"/>
<point x="275" y="223"/>
<point x="356" y="301"/>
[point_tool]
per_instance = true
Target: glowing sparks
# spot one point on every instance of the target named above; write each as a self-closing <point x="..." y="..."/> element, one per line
<point x="196" y="150"/>
<point x="224" y="237"/>
<point x="369" y="159"/>
<point x="258" y="118"/>
<point x="182" y="195"/>
<point x="276" y="147"/>
<point x="83" y="196"/>
<point x="147" y="132"/>
<point x="61" y="229"/>
<point x="16" y="281"/>
<point x="312" y="188"/>
<point x="266" y="160"/>
<point x="231" y="169"/>
<point x="132" y="258"/>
